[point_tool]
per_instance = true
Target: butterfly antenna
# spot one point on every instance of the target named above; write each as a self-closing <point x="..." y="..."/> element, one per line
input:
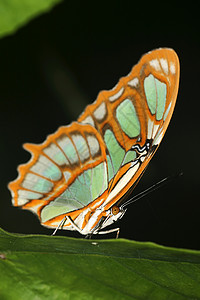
<point x="152" y="188"/>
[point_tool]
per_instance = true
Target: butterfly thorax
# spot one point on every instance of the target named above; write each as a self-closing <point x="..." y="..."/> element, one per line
<point x="98" y="219"/>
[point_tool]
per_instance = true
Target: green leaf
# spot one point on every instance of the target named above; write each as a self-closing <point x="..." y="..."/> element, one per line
<point x="16" y="13"/>
<point x="47" y="267"/>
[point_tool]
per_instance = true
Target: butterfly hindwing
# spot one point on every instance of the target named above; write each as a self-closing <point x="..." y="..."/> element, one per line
<point x="62" y="173"/>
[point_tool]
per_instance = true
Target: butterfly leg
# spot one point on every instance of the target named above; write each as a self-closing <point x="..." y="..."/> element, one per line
<point x="109" y="231"/>
<point x="89" y="236"/>
<point x="59" y="225"/>
<point x="62" y="223"/>
<point x="73" y="224"/>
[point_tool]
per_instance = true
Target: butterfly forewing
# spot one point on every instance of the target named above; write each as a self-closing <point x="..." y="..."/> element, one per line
<point x="134" y="118"/>
<point x="94" y="162"/>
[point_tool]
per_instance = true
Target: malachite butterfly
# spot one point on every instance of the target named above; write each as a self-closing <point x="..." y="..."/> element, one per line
<point x="80" y="177"/>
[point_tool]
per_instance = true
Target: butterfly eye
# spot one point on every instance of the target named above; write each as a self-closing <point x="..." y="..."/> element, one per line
<point x="115" y="210"/>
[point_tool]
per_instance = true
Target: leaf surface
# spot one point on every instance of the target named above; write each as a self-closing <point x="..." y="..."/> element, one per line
<point x="47" y="267"/>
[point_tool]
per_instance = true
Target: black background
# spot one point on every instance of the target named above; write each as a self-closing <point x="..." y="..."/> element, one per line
<point x="52" y="68"/>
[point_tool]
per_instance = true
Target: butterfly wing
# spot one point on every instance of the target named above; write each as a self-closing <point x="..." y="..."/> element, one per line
<point x="65" y="173"/>
<point x="96" y="161"/>
<point x="133" y="117"/>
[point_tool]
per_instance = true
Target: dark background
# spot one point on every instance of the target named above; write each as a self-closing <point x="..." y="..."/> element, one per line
<point x="56" y="65"/>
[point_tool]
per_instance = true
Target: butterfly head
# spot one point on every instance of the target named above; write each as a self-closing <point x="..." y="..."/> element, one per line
<point x="113" y="214"/>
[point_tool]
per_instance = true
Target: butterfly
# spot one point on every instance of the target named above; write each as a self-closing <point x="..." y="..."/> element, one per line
<point x="80" y="177"/>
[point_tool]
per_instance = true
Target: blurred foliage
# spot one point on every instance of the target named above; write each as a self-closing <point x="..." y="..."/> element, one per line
<point x="39" y="267"/>
<point x="16" y="13"/>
